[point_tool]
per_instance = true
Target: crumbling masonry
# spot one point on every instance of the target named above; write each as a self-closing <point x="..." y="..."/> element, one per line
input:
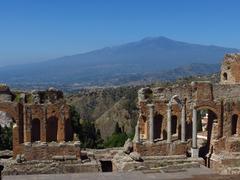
<point x="200" y="119"/>
<point x="41" y="124"/>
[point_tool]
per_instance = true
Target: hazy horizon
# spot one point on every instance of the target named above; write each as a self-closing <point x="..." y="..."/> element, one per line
<point x="33" y="31"/>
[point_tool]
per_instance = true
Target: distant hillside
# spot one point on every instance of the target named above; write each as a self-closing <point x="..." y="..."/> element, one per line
<point x="148" y="59"/>
<point x="106" y="107"/>
<point x="118" y="113"/>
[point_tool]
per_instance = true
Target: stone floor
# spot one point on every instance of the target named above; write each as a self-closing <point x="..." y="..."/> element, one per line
<point x="191" y="173"/>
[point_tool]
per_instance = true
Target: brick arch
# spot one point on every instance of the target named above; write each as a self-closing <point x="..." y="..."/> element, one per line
<point x="68" y="130"/>
<point x="52" y="129"/>
<point x="174" y="122"/>
<point x="234" y="124"/>
<point x="14" y="111"/>
<point x="158" y="125"/>
<point x="35" y="130"/>
<point x="209" y="107"/>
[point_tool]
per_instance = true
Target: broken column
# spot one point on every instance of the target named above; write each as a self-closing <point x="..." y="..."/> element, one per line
<point x="169" y="124"/>
<point x="137" y="133"/>
<point x="194" y="149"/>
<point x="151" y="125"/>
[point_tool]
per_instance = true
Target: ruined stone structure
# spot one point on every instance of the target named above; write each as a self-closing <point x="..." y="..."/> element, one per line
<point x="230" y="69"/>
<point x="170" y="119"/>
<point x="41" y="124"/>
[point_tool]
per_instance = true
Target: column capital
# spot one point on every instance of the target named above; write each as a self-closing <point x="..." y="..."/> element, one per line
<point x="193" y="106"/>
<point x="169" y="106"/>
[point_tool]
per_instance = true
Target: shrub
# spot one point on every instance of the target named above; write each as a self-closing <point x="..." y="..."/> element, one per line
<point x="6" y="138"/>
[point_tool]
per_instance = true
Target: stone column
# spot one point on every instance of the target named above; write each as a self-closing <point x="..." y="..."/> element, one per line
<point x="137" y="133"/>
<point x="151" y="123"/>
<point x="194" y="134"/>
<point x="169" y="124"/>
<point x="183" y="124"/>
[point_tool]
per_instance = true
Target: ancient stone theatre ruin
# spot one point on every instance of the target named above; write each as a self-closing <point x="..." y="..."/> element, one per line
<point x="199" y="119"/>
<point x="41" y="124"/>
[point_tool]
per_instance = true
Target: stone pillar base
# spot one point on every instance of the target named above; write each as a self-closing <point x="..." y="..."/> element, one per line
<point x="151" y="142"/>
<point x="184" y="142"/>
<point x="195" y="152"/>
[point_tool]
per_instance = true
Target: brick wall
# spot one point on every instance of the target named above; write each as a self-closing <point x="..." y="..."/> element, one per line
<point x="47" y="151"/>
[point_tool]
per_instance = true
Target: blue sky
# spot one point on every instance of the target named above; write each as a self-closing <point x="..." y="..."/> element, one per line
<point x="35" y="30"/>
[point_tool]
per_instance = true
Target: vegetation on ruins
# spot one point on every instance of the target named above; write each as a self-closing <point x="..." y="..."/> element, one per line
<point x="107" y="106"/>
<point x="5" y="138"/>
<point x="86" y="131"/>
<point x="117" y="139"/>
<point x="90" y="137"/>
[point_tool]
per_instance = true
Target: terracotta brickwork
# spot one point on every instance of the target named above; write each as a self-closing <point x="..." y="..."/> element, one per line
<point x="41" y="123"/>
<point x="175" y="108"/>
<point x="161" y="149"/>
<point x="230" y="69"/>
<point x="48" y="151"/>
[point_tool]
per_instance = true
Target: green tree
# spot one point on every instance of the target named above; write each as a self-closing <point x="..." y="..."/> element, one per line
<point x="99" y="140"/>
<point x="117" y="130"/>
<point x="86" y="131"/>
<point x="75" y="121"/>
<point x="116" y="140"/>
<point x="5" y="138"/>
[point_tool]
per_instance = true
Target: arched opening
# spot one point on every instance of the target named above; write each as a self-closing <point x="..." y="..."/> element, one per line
<point x="225" y="76"/>
<point x="205" y="120"/>
<point x="6" y="133"/>
<point x="174" y="124"/>
<point x="234" y="123"/>
<point x="158" y="118"/>
<point x="68" y="131"/>
<point x="36" y="128"/>
<point x="52" y="128"/>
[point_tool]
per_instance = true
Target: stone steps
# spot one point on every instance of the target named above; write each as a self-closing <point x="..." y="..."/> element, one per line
<point x="157" y="163"/>
<point x="173" y="168"/>
<point x="164" y="157"/>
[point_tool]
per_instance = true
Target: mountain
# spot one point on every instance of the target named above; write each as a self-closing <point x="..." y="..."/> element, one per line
<point x="119" y="64"/>
<point x="106" y="107"/>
